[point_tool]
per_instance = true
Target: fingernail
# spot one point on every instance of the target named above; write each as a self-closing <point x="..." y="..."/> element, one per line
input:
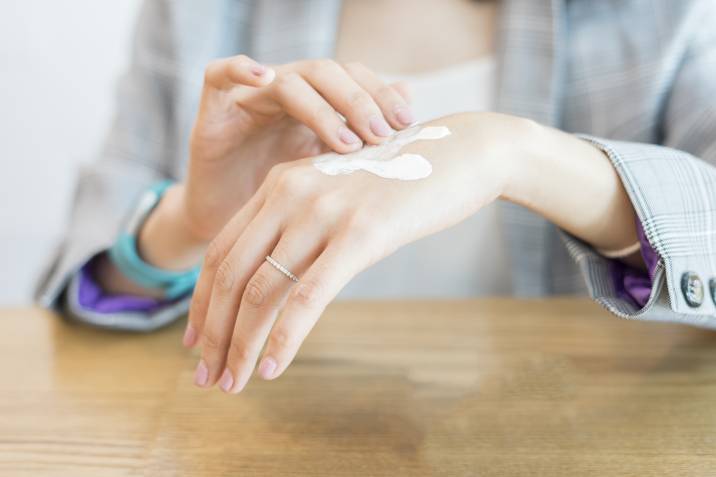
<point x="189" y="336"/>
<point x="201" y="375"/>
<point x="379" y="126"/>
<point x="267" y="367"/>
<point x="404" y="115"/>
<point x="226" y="381"/>
<point x="258" y="70"/>
<point x="347" y="136"/>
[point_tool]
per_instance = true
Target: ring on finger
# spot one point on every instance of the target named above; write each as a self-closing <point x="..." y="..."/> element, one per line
<point x="281" y="268"/>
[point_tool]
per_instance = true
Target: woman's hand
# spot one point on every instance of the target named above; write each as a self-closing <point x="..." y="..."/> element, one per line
<point x="326" y="229"/>
<point x="252" y="117"/>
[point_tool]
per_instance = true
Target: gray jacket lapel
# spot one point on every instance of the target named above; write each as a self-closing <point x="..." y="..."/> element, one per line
<point x="530" y="59"/>
<point x="530" y="66"/>
<point x="284" y="31"/>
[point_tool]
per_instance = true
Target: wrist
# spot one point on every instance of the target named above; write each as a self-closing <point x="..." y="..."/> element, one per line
<point x="572" y="184"/>
<point x="166" y="239"/>
<point x="520" y="161"/>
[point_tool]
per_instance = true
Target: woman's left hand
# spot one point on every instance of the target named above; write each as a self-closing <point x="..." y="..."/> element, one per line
<point x="326" y="229"/>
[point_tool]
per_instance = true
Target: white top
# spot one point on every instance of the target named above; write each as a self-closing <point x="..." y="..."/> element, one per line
<point x="469" y="259"/>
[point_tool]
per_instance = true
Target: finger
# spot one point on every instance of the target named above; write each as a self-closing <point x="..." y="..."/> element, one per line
<point x="403" y="90"/>
<point x="213" y="258"/>
<point x="238" y="70"/>
<point x="394" y="106"/>
<point x="301" y="101"/>
<point x="349" y="98"/>
<point x="308" y="298"/>
<point x="264" y="295"/>
<point x="218" y="249"/>
<point x="230" y="280"/>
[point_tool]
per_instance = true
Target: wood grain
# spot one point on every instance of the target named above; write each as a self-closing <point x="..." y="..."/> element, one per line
<point x="485" y="388"/>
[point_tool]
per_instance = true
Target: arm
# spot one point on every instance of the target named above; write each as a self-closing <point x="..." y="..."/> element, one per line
<point x="251" y="117"/>
<point x="247" y="122"/>
<point x="571" y="183"/>
<point x="137" y="152"/>
<point x="327" y="229"/>
<point x="672" y="191"/>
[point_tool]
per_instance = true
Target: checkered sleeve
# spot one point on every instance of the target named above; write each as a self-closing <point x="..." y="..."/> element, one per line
<point x="673" y="190"/>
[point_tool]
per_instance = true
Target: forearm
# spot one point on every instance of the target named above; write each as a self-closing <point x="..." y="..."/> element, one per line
<point x="165" y="241"/>
<point x="572" y="183"/>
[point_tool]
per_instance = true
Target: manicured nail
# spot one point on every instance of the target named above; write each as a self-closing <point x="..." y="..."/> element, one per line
<point x="201" y="376"/>
<point x="189" y="336"/>
<point x="404" y="115"/>
<point x="226" y="381"/>
<point x="347" y="136"/>
<point x="258" y="70"/>
<point x="267" y="367"/>
<point x="379" y="126"/>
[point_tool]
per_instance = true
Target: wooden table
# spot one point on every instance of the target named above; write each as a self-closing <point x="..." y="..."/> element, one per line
<point x="485" y="388"/>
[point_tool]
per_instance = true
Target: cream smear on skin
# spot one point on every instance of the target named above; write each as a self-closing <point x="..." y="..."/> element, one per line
<point x="385" y="160"/>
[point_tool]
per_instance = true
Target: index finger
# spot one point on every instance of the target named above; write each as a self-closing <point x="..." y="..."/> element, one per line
<point x="237" y="70"/>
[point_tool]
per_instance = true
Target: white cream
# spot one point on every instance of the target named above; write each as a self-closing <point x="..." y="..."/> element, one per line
<point x="384" y="160"/>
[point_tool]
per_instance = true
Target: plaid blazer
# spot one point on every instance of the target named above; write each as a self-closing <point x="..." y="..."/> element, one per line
<point x="635" y="77"/>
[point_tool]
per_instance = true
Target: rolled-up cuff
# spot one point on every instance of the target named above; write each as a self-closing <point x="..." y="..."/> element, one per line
<point x="86" y="302"/>
<point x="91" y="296"/>
<point x="633" y="284"/>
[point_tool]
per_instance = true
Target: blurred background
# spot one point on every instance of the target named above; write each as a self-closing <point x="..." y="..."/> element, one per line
<point x="58" y="77"/>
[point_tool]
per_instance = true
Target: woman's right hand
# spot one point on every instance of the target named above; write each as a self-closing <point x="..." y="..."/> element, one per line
<point x="252" y="117"/>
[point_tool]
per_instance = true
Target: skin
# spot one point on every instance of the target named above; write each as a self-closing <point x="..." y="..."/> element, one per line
<point x="250" y="118"/>
<point x="312" y="224"/>
<point x="252" y="191"/>
<point x="175" y="236"/>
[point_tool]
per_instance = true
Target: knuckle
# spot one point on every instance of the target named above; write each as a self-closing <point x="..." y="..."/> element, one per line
<point x="323" y="66"/>
<point x="239" y="352"/>
<point x="257" y="290"/>
<point x="307" y="293"/>
<point x="386" y="92"/>
<point x="241" y="59"/>
<point x="225" y="277"/>
<point x="354" y="66"/>
<point x="212" y="342"/>
<point x="360" y="222"/>
<point x="326" y="205"/>
<point x="322" y="115"/>
<point x="275" y="172"/>
<point x="212" y="70"/>
<point x="280" y="339"/>
<point x="286" y="83"/>
<point x="290" y="182"/>
<point x="214" y="255"/>
<point x="360" y="100"/>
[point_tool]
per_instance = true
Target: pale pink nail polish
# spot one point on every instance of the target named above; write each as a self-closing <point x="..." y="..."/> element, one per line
<point x="258" y="70"/>
<point x="189" y="336"/>
<point x="380" y="127"/>
<point x="201" y="375"/>
<point x="226" y="381"/>
<point x="267" y="367"/>
<point x="404" y="115"/>
<point x="347" y="136"/>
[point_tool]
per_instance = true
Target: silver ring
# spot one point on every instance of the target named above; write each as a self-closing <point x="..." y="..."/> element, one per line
<point x="281" y="268"/>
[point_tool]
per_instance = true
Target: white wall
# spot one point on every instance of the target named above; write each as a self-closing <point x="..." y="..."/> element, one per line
<point x="59" y="61"/>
